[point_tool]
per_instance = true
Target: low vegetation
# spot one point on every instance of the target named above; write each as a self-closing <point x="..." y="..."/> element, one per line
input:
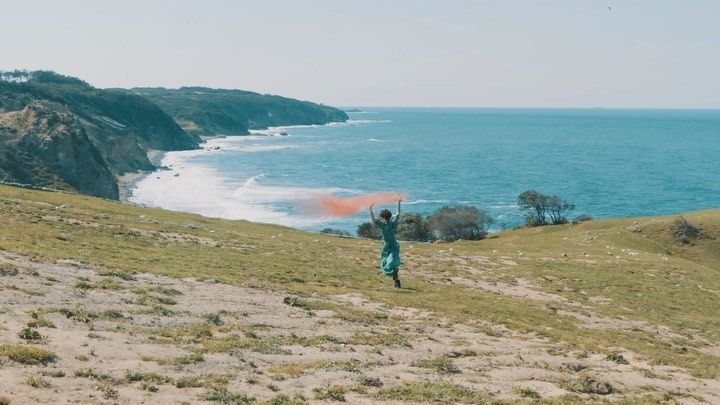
<point x="544" y="209"/>
<point x="449" y="224"/>
<point x="590" y="296"/>
<point x="683" y="231"/>
<point x="27" y="354"/>
<point x="429" y="391"/>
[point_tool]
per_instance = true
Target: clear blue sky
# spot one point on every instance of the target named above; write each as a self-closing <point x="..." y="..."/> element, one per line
<point x="483" y="53"/>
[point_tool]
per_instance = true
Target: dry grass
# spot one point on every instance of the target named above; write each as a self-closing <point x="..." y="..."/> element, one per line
<point x="632" y="270"/>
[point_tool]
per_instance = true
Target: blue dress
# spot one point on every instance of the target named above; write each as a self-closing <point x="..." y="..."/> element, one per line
<point x="390" y="257"/>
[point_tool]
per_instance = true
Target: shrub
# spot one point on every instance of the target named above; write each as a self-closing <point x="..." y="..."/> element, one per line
<point x="222" y="395"/>
<point x="332" y="393"/>
<point x="459" y="222"/>
<point x="336" y="232"/>
<point x="413" y="227"/>
<point x="27" y="355"/>
<point x="544" y="209"/>
<point x="29" y="334"/>
<point x="684" y="231"/>
<point x="368" y="230"/>
<point x="582" y="218"/>
<point x="441" y="364"/>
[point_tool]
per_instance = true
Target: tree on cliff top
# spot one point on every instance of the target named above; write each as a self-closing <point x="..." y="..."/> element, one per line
<point x="544" y="209"/>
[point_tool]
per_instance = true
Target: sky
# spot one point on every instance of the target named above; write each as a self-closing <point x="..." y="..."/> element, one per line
<point x="444" y="53"/>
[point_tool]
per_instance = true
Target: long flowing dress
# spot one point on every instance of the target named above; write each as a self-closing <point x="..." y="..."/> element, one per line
<point x="390" y="257"/>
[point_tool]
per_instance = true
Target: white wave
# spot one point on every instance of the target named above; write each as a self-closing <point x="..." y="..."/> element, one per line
<point x="249" y="144"/>
<point x="204" y="190"/>
<point x="286" y="128"/>
<point x="415" y="202"/>
<point x="260" y="148"/>
<point x="375" y="140"/>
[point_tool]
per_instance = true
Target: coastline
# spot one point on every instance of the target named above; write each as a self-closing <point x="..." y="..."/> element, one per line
<point x="128" y="181"/>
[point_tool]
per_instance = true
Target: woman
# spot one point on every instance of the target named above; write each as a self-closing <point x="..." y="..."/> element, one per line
<point x="390" y="258"/>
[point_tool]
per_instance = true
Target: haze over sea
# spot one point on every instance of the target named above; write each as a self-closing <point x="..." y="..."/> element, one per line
<point x="609" y="163"/>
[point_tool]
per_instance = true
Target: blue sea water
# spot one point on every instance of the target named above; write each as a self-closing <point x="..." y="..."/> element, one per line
<point x="609" y="163"/>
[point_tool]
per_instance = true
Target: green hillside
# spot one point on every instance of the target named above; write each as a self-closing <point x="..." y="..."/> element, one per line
<point x="207" y="111"/>
<point x="551" y="313"/>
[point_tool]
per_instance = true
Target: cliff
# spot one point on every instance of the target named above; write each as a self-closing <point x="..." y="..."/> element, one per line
<point x="60" y="132"/>
<point x="206" y="111"/>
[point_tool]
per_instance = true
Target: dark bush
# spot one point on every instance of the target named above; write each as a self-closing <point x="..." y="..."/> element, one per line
<point x="684" y="231"/>
<point x="544" y="209"/>
<point x="413" y="227"/>
<point x="582" y="218"/>
<point x="336" y="232"/>
<point x="368" y="230"/>
<point x="453" y="223"/>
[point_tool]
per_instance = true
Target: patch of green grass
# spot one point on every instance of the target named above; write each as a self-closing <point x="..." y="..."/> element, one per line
<point x="8" y="269"/>
<point x="112" y="314"/>
<point x="224" y="396"/>
<point x="38" y="382"/>
<point x="27" y="354"/>
<point x="83" y="285"/>
<point x="440" y="363"/>
<point x="527" y="393"/>
<point x="232" y="343"/>
<point x="433" y="391"/>
<point x="588" y="385"/>
<point x="13" y="287"/>
<point x="29" y="334"/>
<point x="214" y="318"/>
<point x="92" y="374"/>
<point x="344" y="311"/>
<point x="121" y="274"/>
<point x="283" y="399"/>
<point x="210" y="381"/>
<point x="53" y="373"/>
<point x="393" y="338"/>
<point x="155" y="378"/>
<point x="79" y="315"/>
<point x="617" y="358"/>
<point x="331" y="393"/>
<point x="108" y="392"/>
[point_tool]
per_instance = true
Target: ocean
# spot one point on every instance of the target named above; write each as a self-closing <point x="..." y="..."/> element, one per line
<point x="609" y="163"/>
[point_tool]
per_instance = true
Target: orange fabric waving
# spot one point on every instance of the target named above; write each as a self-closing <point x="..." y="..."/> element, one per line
<point x="330" y="205"/>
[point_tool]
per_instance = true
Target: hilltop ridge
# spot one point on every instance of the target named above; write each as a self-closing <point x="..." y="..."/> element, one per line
<point x="208" y="111"/>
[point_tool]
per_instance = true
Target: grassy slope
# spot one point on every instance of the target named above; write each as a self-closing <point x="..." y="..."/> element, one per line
<point x="622" y="270"/>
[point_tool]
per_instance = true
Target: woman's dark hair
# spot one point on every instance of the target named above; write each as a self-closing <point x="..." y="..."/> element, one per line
<point x="385" y="214"/>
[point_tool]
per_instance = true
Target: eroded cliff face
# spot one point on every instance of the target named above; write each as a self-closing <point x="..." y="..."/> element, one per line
<point x="59" y="132"/>
<point x="45" y="147"/>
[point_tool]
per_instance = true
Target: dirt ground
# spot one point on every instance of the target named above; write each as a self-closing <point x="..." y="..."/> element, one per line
<point x="152" y="339"/>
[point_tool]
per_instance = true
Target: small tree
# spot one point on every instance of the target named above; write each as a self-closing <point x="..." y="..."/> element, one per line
<point x="413" y="227"/>
<point x="368" y="230"/>
<point x="684" y="231"/>
<point x="544" y="209"/>
<point x="459" y="222"/>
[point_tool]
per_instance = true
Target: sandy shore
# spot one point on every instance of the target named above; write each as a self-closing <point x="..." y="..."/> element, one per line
<point x="128" y="181"/>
